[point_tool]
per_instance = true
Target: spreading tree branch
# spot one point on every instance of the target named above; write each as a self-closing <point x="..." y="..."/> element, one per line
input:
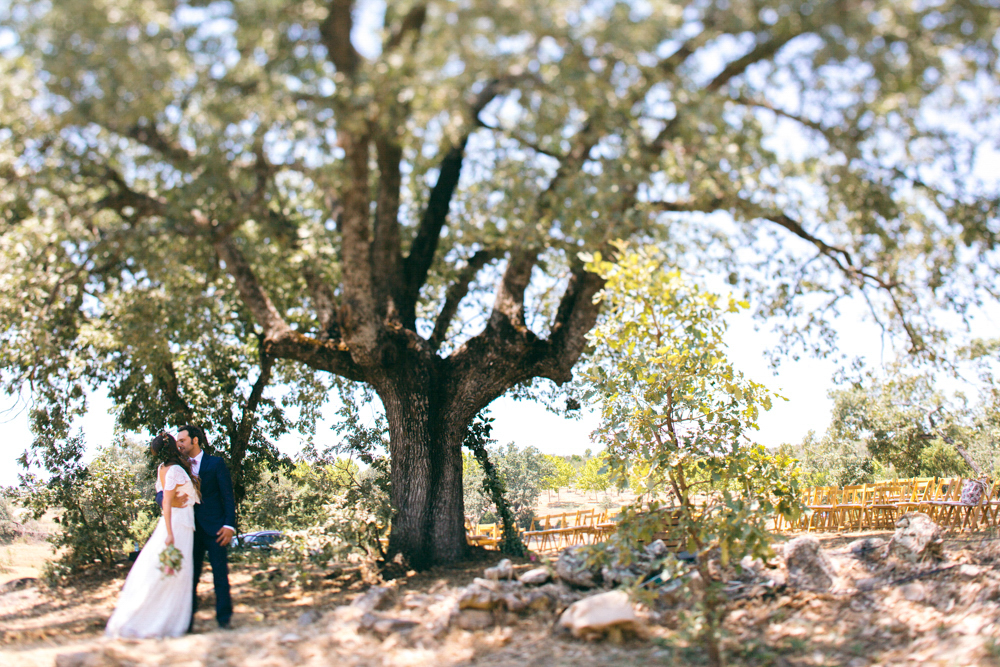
<point x="386" y="257"/>
<point x="456" y="292"/>
<point x="336" y="34"/>
<point x="411" y="24"/>
<point x="425" y="242"/>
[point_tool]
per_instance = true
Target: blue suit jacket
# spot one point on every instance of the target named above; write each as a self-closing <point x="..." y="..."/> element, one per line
<point x="218" y="506"/>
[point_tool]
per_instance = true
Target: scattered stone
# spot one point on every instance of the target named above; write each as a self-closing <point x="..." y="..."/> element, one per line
<point x="914" y="592"/>
<point x="535" y="577"/>
<point x="289" y="638"/>
<point x="474" y="619"/>
<point x="867" y="584"/>
<point x="655" y="549"/>
<point x="869" y="548"/>
<point x="17" y="584"/>
<point x="440" y="614"/>
<point x="599" y="614"/>
<point x="367" y="621"/>
<point x="487" y="583"/>
<point x="539" y="601"/>
<point x="476" y="596"/>
<point x="751" y="565"/>
<point x="776" y="577"/>
<point x="560" y="594"/>
<point x="503" y="570"/>
<point x="970" y="571"/>
<point x="514" y="602"/>
<point x="388" y="626"/>
<point x="917" y="537"/>
<point x="308" y="618"/>
<point x="572" y="568"/>
<point x="372" y="599"/>
<point x="808" y="567"/>
<point x="79" y="659"/>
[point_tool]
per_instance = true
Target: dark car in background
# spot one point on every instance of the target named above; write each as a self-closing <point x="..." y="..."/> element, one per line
<point x="263" y="539"/>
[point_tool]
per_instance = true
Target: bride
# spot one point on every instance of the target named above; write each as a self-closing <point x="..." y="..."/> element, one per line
<point x="153" y="603"/>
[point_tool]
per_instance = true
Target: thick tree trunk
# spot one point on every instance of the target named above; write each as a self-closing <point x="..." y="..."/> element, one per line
<point x="426" y="456"/>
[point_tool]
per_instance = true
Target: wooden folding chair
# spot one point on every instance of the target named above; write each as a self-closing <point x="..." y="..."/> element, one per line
<point x="851" y="508"/>
<point x="954" y="514"/>
<point x="824" y="508"/>
<point x="921" y="491"/>
<point x="990" y="507"/>
<point x="543" y="530"/>
<point x="882" y="506"/>
<point x="944" y="497"/>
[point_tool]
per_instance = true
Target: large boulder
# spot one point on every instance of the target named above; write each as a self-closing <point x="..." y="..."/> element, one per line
<point x="625" y="568"/>
<point x="481" y="594"/>
<point x="503" y="570"/>
<point x="535" y="577"/>
<point x="598" y="614"/>
<point x="808" y="567"/>
<point x="917" y="537"/>
<point x="572" y="567"/>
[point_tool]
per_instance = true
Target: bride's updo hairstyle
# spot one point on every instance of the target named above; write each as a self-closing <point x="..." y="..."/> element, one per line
<point x="164" y="449"/>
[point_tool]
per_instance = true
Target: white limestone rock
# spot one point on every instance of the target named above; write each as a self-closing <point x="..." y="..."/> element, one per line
<point x="597" y="614"/>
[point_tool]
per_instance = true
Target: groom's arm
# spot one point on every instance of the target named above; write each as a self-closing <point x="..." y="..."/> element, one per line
<point x="179" y="500"/>
<point x="228" y="500"/>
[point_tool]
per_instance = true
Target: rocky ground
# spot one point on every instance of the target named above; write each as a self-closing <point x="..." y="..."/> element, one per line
<point x="880" y="600"/>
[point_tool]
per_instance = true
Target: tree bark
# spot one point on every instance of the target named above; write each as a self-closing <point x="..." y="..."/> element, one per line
<point x="426" y="458"/>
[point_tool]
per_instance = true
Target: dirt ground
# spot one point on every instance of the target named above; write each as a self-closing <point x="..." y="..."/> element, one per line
<point x="940" y="614"/>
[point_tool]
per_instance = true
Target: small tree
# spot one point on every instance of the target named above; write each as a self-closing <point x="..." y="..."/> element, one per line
<point x="595" y="476"/>
<point x="671" y="399"/>
<point x="562" y="474"/>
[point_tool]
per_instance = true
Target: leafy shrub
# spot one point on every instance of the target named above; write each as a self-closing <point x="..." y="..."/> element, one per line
<point x="675" y="408"/>
<point x="97" y="505"/>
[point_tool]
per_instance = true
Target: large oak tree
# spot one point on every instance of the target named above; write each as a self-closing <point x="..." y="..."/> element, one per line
<point x="399" y="194"/>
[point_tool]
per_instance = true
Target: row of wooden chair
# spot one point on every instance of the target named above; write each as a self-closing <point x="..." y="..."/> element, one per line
<point x="877" y="506"/>
<point x="551" y="532"/>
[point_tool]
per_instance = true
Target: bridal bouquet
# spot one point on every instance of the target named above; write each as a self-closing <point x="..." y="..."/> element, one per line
<point x="170" y="560"/>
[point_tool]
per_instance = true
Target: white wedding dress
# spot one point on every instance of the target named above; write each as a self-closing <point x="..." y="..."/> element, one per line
<point x="152" y="604"/>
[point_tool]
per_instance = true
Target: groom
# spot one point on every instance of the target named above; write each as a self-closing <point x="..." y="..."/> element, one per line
<point x="214" y="519"/>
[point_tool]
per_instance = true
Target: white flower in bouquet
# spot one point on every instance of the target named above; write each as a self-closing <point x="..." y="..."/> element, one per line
<point x="170" y="560"/>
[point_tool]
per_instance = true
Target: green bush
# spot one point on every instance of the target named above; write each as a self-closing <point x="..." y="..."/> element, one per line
<point x="10" y="527"/>
<point x="97" y="505"/>
<point x="676" y="411"/>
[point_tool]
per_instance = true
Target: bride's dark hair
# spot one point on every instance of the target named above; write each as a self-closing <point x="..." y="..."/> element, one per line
<point x="164" y="449"/>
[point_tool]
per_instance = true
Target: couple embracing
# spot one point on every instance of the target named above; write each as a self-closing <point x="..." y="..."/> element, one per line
<point x="194" y="489"/>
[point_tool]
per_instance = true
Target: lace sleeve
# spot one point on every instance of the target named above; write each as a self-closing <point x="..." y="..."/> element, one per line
<point x="175" y="477"/>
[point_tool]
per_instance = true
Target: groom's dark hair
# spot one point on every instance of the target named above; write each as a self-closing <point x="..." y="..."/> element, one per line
<point x="195" y="432"/>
